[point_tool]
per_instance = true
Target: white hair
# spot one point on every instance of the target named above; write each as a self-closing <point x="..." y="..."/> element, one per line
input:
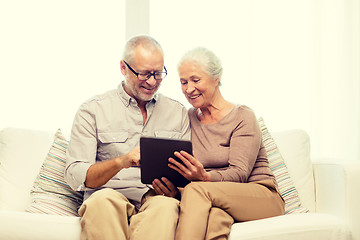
<point x="143" y="40"/>
<point x="206" y="58"/>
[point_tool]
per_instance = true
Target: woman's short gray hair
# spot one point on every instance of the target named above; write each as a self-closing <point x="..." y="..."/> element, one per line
<point x="207" y="59"/>
<point x="144" y="40"/>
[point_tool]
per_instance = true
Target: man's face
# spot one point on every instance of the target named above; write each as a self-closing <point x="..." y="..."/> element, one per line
<point x="145" y="61"/>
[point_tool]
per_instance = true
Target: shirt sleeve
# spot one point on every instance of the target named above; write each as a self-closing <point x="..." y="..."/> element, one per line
<point x="81" y="152"/>
<point x="185" y="125"/>
<point x="245" y="143"/>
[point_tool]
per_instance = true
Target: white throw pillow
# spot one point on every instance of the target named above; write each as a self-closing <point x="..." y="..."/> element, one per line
<point x="294" y="146"/>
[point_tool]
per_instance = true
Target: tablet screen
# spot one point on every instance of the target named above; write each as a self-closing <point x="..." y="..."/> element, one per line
<point x="154" y="155"/>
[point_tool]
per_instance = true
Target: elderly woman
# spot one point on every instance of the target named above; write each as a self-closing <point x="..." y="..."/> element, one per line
<point x="230" y="174"/>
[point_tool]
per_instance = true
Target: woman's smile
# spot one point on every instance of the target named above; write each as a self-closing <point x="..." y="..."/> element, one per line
<point x="192" y="97"/>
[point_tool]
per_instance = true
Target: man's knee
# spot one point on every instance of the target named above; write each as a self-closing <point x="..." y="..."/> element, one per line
<point x="104" y="195"/>
<point x="163" y="203"/>
<point x="107" y="199"/>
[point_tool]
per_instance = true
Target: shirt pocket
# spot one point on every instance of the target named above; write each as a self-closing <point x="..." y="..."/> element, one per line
<point x="112" y="144"/>
<point x="113" y="137"/>
<point x="167" y="134"/>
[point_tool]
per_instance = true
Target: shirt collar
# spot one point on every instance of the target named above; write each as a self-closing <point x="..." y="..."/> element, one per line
<point x="126" y="99"/>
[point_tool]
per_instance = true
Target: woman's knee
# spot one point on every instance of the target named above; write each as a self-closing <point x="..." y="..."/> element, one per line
<point x="195" y="188"/>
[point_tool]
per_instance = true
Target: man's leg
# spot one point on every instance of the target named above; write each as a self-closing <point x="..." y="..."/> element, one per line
<point x="104" y="215"/>
<point x="156" y="219"/>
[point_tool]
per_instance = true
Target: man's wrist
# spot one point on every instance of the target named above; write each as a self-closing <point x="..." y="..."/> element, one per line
<point x="119" y="162"/>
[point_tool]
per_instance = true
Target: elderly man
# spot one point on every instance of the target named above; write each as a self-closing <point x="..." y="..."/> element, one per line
<point x="103" y="155"/>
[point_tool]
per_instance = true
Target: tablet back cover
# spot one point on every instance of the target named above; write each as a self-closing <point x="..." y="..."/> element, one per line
<point x="154" y="155"/>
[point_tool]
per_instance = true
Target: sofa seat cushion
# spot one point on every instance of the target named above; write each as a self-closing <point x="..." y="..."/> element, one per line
<point x="294" y="226"/>
<point x="22" y="225"/>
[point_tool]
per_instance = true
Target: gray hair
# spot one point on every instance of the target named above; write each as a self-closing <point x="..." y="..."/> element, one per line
<point x="143" y="40"/>
<point x="207" y="59"/>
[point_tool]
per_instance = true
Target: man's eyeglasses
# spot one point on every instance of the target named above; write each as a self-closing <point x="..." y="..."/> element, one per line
<point x="146" y="76"/>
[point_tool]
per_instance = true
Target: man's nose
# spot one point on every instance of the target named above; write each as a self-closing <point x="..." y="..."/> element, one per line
<point x="151" y="81"/>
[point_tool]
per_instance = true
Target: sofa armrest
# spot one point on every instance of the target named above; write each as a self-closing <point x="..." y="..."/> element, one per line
<point x="337" y="191"/>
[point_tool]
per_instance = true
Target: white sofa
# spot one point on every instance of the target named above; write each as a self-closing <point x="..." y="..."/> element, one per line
<point x="329" y="190"/>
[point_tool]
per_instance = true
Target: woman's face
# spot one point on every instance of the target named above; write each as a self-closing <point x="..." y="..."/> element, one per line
<point x="197" y="85"/>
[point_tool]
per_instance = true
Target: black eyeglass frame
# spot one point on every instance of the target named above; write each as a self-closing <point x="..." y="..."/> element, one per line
<point x="148" y="75"/>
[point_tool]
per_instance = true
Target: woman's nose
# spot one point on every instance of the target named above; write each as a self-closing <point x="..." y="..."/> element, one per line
<point x="190" y="87"/>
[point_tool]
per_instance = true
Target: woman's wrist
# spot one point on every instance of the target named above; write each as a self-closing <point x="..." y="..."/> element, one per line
<point x="207" y="177"/>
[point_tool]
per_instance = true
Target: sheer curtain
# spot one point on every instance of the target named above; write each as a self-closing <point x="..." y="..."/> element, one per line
<point x="295" y="62"/>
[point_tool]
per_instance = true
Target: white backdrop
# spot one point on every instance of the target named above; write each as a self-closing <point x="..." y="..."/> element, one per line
<point x="54" y="55"/>
<point x="295" y="62"/>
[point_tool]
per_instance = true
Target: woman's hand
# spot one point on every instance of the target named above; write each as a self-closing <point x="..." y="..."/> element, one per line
<point x="193" y="169"/>
<point x="165" y="188"/>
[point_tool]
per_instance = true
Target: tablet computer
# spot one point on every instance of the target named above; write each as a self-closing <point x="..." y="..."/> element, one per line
<point x="154" y="159"/>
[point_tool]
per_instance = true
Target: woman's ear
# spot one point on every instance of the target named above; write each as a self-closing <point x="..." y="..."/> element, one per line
<point x="217" y="81"/>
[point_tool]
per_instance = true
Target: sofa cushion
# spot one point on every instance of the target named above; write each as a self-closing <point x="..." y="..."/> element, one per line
<point x="292" y="226"/>
<point x="277" y="165"/>
<point x="22" y="152"/>
<point x="50" y="193"/>
<point x="23" y="226"/>
<point x="294" y="146"/>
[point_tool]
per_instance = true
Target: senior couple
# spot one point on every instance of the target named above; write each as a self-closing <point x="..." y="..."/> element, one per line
<point x="229" y="172"/>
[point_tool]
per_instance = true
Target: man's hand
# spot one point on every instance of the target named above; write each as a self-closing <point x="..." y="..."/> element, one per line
<point x="101" y="172"/>
<point x="131" y="159"/>
<point x="165" y="188"/>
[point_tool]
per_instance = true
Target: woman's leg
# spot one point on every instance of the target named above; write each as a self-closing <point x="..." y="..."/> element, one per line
<point x="219" y="224"/>
<point x="243" y="201"/>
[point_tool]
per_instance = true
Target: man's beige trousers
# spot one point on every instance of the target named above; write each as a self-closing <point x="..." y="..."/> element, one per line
<point x="108" y="215"/>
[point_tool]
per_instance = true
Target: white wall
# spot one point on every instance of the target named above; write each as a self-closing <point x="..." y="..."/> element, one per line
<point x="295" y="62"/>
<point x="54" y="55"/>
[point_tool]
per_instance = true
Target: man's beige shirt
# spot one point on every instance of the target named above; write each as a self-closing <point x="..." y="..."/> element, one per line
<point x="110" y="125"/>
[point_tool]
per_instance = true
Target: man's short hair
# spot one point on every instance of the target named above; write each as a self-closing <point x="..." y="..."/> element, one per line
<point x="143" y="40"/>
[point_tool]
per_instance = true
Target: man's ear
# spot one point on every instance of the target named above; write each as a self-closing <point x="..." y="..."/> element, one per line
<point x="122" y="67"/>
